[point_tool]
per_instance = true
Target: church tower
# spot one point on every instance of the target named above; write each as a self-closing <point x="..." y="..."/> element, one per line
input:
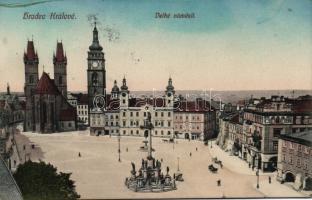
<point x="60" y="71"/>
<point x="31" y="62"/>
<point x="124" y="98"/>
<point x="169" y="93"/>
<point x="115" y="91"/>
<point x="96" y="71"/>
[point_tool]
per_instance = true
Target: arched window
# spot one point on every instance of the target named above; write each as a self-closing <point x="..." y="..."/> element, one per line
<point x="94" y="79"/>
<point x="31" y="79"/>
<point x="60" y="80"/>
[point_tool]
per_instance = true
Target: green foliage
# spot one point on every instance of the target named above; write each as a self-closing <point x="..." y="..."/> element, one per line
<point x="40" y="181"/>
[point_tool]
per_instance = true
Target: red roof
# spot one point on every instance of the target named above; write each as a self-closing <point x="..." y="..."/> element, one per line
<point x="68" y="115"/>
<point x="30" y="54"/>
<point x="46" y="85"/>
<point x="59" y="57"/>
<point x="302" y="106"/>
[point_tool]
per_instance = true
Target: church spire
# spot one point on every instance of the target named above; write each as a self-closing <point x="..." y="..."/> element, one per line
<point x="170" y="87"/>
<point x="124" y="84"/>
<point x="95" y="43"/>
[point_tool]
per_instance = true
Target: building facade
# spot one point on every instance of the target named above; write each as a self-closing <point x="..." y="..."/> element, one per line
<point x="47" y="109"/>
<point x="295" y="159"/>
<point x="264" y="121"/>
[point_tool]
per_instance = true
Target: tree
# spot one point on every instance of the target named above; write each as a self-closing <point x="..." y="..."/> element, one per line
<point x="40" y="181"/>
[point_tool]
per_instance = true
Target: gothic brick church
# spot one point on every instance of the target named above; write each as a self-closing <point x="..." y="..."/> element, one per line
<point x="47" y="109"/>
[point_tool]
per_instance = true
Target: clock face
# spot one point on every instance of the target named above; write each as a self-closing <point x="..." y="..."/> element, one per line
<point x="169" y="94"/>
<point x="95" y="64"/>
<point x="124" y="94"/>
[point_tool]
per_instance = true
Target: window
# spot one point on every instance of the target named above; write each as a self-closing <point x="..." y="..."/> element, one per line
<point x="60" y="80"/>
<point x="169" y="133"/>
<point x="290" y="160"/>
<point x="169" y="114"/>
<point x="169" y="123"/>
<point x="94" y="79"/>
<point x="144" y="114"/>
<point x="186" y="117"/>
<point x="162" y="114"/>
<point x="123" y="123"/>
<point x="277" y="132"/>
<point x="155" y="132"/>
<point x="156" y="114"/>
<point x="131" y="132"/>
<point x="112" y="117"/>
<point x="116" y="117"/>
<point x="31" y="79"/>
<point x="298" y="162"/>
<point x="275" y="145"/>
<point x="69" y="124"/>
<point x="131" y="114"/>
<point x="299" y="147"/>
<point x="124" y="114"/>
<point x="124" y="132"/>
<point x="137" y="132"/>
<point x="284" y="157"/>
<point x="137" y="114"/>
<point x="131" y="123"/>
<point x="123" y="101"/>
<point x="162" y="132"/>
<point x="117" y="123"/>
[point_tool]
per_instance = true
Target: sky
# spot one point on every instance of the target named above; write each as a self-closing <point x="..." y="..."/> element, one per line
<point x="229" y="45"/>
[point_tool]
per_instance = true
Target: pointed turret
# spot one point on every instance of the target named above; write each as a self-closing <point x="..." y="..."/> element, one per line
<point x="124" y="86"/>
<point x="170" y="87"/>
<point x="95" y="43"/>
<point x="30" y="54"/>
<point x="59" y="56"/>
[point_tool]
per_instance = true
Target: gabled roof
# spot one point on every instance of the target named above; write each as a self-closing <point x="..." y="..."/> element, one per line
<point x="46" y="85"/>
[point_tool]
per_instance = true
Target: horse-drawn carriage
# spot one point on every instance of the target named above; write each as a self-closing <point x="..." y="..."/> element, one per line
<point x="212" y="168"/>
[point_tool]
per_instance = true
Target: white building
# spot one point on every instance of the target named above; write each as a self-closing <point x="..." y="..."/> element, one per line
<point x="125" y="115"/>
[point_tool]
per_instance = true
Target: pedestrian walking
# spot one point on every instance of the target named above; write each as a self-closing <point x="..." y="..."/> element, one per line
<point x="270" y="179"/>
<point x="161" y="160"/>
<point x="79" y="154"/>
<point x="219" y="182"/>
<point x="196" y="149"/>
<point x="190" y="154"/>
<point x="127" y="149"/>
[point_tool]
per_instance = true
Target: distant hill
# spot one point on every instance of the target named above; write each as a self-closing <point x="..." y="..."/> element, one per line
<point x="226" y="96"/>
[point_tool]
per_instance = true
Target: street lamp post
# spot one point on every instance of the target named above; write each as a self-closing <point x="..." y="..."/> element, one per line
<point x="258" y="173"/>
<point x="119" y="151"/>
<point x="178" y="164"/>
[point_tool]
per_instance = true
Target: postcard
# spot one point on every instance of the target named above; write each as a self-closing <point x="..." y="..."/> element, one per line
<point x="195" y="99"/>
